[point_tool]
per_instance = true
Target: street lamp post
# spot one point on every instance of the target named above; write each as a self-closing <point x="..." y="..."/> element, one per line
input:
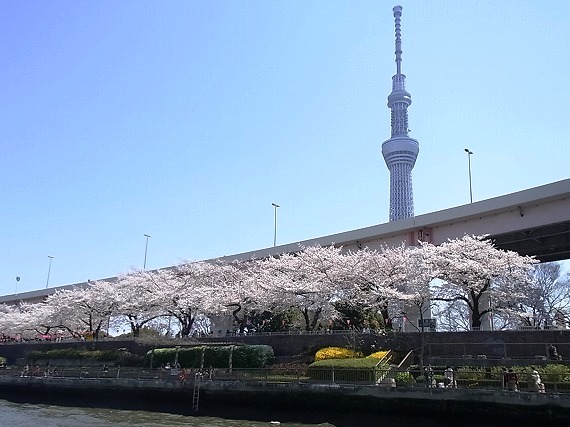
<point x="275" y="206"/>
<point x="145" y="250"/>
<point x="49" y="270"/>
<point x="469" y="152"/>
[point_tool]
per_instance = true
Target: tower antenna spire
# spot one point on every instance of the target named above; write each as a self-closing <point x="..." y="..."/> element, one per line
<point x="397" y="19"/>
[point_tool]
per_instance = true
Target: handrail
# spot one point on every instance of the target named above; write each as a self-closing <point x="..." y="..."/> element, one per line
<point x="463" y="378"/>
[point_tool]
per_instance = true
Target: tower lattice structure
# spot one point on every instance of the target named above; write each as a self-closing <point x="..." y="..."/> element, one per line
<point x="400" y="151"/>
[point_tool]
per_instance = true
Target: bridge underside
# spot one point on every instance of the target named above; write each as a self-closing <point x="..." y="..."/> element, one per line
<point x="548" y="243"/>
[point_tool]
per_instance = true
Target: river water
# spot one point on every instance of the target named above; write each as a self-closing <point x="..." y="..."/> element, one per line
<point x="28" y="415"/>
<point x="43" y="415"/>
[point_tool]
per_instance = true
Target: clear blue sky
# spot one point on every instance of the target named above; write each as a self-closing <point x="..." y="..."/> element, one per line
<point x="185" y="120"/>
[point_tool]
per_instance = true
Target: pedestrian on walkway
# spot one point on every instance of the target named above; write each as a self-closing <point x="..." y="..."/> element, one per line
<point x="512" y="380"/>
<point x="537" y="384"/>
<point x="428" y="374"/>
<point x="449" y="378"/>
<point x="504" y="373"/>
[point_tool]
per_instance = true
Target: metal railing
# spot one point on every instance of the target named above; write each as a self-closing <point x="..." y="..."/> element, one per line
<point x="491" y="380"/>
<point x="462" y="379"/>
<point x="494" y="350"/>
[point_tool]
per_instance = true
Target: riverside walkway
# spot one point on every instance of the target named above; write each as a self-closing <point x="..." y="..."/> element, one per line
<point x="289" y="388"/>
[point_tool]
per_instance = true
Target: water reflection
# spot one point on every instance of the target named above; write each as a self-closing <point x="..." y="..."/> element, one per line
<point x="26" y="415"/>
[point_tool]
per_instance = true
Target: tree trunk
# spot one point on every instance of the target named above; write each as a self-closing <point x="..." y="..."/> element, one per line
<point x="316" y="318"/>
<point x="186" y="321"/>
<point x="476" y="316"/>
<point x="306" y="317"/>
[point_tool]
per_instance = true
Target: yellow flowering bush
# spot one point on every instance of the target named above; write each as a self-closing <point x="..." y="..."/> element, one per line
<point x="380" y="354"/>
<point x="336" y="353"/>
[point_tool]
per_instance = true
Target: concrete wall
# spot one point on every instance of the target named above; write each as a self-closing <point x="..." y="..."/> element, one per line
<point x="491" y="344"/>
<point x="294" y="401"/>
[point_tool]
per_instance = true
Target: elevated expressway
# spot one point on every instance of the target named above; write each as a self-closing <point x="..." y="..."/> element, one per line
<point x="535" y="222"/>
<point x="531" y="222"/>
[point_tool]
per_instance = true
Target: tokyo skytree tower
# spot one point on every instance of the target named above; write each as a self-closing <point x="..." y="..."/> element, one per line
<point x="400" y="151"/>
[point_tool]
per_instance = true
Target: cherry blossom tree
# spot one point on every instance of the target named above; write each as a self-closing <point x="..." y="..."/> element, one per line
<point x="18" y="321"/>
<point x="240" y="291"/>
<point x="309" y="281"/>
<point x="379" y="279"/>
<point x="81" y="309"/>
<point x="185" y="292"/>
<point x="452" y="316"/>
<point x="420" y="273"/>
<point x="467" y="273"/>
<point x="485" y="278"/>
<point x="7" y="317"/>
<point x="137" y="294"/>
<point x="43" y="318"/>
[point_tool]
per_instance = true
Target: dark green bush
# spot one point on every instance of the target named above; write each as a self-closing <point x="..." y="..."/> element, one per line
<point x="217" y="357"/>
<point x="119" y="356"/>
<point x="555" y="372"/>
<point x="404" y="378"/>
<point x="72" y="353"/>
<point x="252" y="356"/>
<point x="244" y="356"/>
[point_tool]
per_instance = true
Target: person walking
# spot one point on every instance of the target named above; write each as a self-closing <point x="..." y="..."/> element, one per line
<point x="537" y="384"/>
<point x="449" y="378"/>
<point x="428" y="374"/>
<point x="504" y="378"/>
<point x="512" y="380"/>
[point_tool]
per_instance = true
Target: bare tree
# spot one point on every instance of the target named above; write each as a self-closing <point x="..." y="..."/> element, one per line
<point x="548" y="302"/>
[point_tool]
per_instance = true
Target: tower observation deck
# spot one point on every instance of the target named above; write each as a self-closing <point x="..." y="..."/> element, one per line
<point x="400" y="151"/>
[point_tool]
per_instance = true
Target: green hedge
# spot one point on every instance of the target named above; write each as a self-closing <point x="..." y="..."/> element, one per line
<point x="244" y="356"/>
<point x="362" y="369"/>
<point x="72" y="353"/>
<point x="119" y="356"/>
<point x="404" y="378"/>
<point x="477" y="376"/>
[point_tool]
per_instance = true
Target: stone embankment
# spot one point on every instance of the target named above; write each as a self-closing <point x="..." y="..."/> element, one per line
<point x="300" y="396"/>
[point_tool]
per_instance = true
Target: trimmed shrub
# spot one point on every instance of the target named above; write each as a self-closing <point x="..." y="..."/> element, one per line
<point x="188" y="356"/>
<point x="364" y="369"/>
<point x="217" y="357"/>
<point x="336" y="353"/>
<point x="119" y="356"/>
<point x="404" y="378"/>
<point x="382" y="354"/>
<point x="252" y="356"/>
<point x="69" y="353"/>
<point x="244" y="356"/>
